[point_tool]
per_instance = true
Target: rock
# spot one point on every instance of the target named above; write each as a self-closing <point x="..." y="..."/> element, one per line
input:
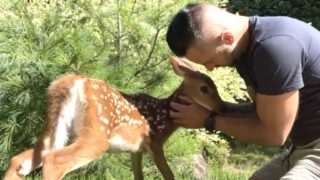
<point x="200" y="167"/>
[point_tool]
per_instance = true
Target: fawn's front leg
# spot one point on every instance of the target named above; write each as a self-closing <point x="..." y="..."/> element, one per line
<point x="136" y="160"/>
<point x="160" y="160"/>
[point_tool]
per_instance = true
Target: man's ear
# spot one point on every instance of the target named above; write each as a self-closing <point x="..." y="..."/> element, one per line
<point x="227" y="37"/>
<point x="181" y="66"/>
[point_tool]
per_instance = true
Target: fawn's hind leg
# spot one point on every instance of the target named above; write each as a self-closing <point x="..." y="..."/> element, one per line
<point x="25" y="162"/>
<point x="20" y="165"/>
<point x="84" y="150"/>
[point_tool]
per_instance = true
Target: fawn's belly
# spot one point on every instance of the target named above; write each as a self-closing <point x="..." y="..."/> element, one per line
<point x="119" y="143"/>
<point x="129" y="138"/>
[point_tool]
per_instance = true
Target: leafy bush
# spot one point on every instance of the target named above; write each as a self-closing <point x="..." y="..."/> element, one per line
<point x="22" y="96"/>
<point x="230" y="86"/>
<point x="214" y="149"/>
<point x="306" y="10"/>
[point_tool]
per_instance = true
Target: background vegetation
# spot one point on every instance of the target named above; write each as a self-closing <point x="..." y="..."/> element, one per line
<point x="121" y="42"/>
<point x="306" y="10"/>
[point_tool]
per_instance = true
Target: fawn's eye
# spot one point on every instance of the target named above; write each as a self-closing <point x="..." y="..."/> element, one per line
<point x="204" y="89"/>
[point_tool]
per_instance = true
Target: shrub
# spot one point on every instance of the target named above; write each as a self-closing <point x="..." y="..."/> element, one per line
<point x="305" y="10"/>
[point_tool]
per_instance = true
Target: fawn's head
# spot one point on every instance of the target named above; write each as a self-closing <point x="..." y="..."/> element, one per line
<point x="196" y="85"/>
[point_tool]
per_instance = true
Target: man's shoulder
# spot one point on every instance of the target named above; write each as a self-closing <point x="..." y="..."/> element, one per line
<point x="280" y="35"/>
<point x="274" y="27"/>
<point x="275" y="21"/>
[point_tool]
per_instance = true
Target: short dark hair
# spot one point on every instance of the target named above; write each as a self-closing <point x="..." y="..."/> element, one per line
<point x="184" y="29"/>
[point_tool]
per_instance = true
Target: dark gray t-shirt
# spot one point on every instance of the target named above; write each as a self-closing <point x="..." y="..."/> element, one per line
<point x="284" y="55"/>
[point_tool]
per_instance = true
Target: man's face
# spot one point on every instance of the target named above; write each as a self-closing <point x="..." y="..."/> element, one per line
<point x="210" y="55"/>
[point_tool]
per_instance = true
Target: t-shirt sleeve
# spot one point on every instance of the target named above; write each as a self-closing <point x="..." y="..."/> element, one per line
<point x="278" y="65"/>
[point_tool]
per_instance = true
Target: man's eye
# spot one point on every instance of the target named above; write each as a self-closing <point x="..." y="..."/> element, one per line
<point x="204" y="89"/>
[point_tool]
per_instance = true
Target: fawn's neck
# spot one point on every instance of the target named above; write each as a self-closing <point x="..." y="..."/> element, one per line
<point x="155" y="110"/>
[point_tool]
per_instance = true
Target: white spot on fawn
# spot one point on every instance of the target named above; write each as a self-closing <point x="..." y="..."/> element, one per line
<point x="126" y="117"/>
<point x="26" y="167"/>
<point x="99" y="108"/>
<point x="106" y="121"/>
<point x="95" y="86"/>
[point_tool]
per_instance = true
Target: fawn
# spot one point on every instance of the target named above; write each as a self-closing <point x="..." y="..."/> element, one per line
<point x="96" y="117"/>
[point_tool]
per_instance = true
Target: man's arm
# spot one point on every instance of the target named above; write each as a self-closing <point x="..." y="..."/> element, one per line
<point x="239" y="109"/>
<point x="242" y="109"/>
<point x="271" y="126"/>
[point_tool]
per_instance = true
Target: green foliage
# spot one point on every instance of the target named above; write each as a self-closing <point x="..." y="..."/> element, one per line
<point x="214" y="149"/>
<point x="21" y="114"/>
<point x="230" y="86"/>
<point x="306" y="10"/>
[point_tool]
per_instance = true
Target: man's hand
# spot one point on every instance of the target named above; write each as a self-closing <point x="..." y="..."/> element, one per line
<point x="192" y="115"/>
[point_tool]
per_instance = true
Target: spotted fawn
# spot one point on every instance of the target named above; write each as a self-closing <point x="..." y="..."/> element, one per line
<point x="86" y="117"/>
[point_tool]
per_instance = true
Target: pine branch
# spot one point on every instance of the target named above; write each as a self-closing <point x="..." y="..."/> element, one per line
<point x="145" y="65"/>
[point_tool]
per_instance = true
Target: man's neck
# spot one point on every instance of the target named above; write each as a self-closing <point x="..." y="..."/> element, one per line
<point x="244" y="34"/>
<point x="243" y="37"/>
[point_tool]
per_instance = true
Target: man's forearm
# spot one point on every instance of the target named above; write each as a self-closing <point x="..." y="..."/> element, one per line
<point x="247" y="129"/>
<point x="239" y="110"/>
<point x="239" y="119"/>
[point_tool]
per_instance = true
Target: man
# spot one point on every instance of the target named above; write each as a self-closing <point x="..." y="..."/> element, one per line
<point x="279" y="59"/>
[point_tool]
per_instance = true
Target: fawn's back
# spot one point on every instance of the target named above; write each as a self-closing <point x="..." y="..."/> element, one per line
<point x="87" y="105"/>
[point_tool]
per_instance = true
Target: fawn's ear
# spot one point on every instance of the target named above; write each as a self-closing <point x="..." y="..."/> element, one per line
<point x="181" y="66"/>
